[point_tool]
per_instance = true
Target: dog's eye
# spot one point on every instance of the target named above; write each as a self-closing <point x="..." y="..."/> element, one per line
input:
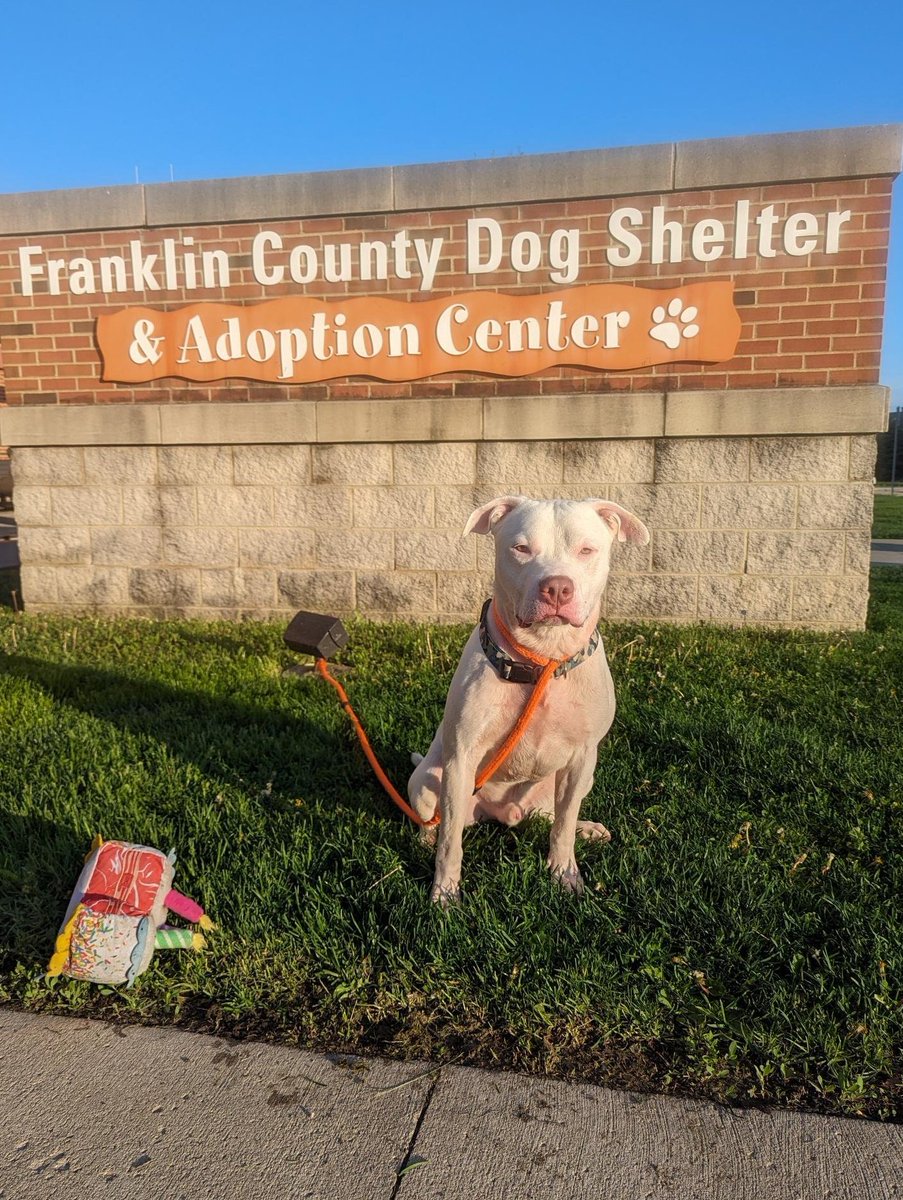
<point x="586" y="551"/>
<point x="521" y="548"/>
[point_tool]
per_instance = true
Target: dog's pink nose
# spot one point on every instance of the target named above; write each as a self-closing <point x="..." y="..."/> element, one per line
<point x="556" y="589"/>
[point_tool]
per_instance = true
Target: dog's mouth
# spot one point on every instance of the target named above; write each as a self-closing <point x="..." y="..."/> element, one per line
<point x="556" y="618"/>
<point x="536" y="612"/>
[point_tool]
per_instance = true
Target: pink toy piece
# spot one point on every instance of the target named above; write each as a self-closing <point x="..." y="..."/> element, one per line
<point x="183" y="905"/>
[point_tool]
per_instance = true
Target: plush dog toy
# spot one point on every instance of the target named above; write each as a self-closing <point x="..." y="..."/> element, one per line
<point x="116" y="917"/>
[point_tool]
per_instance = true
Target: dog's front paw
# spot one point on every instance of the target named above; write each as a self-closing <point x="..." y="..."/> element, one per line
<point x="567" y="876"/>
<point x="446" y="894"/>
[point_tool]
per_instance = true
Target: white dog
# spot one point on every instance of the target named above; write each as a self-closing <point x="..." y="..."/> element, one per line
<point x="551" y="567"/>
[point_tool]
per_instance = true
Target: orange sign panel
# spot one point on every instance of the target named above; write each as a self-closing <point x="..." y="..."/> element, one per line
<point x="297" y="339"/>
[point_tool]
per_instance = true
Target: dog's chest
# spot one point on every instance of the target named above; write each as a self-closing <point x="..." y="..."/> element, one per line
<point x="573" y="715"/>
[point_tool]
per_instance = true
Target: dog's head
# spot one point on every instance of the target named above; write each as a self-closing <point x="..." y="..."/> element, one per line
<point x="552" y="556"/>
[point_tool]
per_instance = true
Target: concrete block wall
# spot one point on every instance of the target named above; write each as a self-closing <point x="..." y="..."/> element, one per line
<point x="745" y="530"/>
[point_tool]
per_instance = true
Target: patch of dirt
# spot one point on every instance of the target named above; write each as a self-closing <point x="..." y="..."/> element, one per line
<point x="641" y="1067"/>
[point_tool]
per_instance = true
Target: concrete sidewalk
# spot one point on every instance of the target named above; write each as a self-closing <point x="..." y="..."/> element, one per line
<point x="93" y="1110"/>
<point x="888" y="550"/>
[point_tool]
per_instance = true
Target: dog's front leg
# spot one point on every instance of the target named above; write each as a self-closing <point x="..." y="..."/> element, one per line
<point x="571" y="786"/>
<point x="456" y="789"/>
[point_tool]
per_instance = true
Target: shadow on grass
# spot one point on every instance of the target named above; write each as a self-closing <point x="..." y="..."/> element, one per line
<point x="10" y="588"/>
<point x="256" y="747"/>
<point x="290" y="786"/>
<point x="40" y="861"/>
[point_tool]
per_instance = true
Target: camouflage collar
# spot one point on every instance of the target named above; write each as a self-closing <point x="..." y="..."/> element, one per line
<point x="516" y="672"/>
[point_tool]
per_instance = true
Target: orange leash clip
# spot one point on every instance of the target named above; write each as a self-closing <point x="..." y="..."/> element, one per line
<point x="549" y="665"/>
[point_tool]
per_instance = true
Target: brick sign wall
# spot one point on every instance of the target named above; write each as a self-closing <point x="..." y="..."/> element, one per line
<point x="235" y="496"/>
<point x="811" y="319"/>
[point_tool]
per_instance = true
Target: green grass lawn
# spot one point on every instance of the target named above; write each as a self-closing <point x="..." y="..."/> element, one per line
<point x="888" y="518"/>
<point x="742" y="936"/>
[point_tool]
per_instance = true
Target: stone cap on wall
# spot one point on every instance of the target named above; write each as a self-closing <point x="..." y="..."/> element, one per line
<point x="859" y="151"/>
<point x="739" y="413"/>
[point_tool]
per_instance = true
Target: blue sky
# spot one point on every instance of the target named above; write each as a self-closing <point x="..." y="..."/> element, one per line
<point x="94" y="90"/>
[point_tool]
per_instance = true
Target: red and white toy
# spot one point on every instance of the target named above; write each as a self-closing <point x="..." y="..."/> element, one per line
<point x="117" y="915"/>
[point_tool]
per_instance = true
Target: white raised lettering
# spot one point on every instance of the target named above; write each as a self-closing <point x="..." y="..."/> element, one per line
<point x="81" y="277"/>
<point x="486" y="333"/>
<point x="800" y="234"/>
<point x="302" y="264"/>
<point x="614" y="322"/>
<point x="341" y="334"/>
<point x="112" y="273"/>
<point x="55" y="269"/>
<point x="30" y="271"/>
<point x="261" y="345"/>
<point x="195" y="342"/>
<point x="675" y="233"/>
<point x="228" y="344"/>
<point x="741" y="229"/>
<point x="457" y="313"/>
<point x="526" y="250"/>
<point x="707" y="240"/>
<point x="142" y="269"/>
<point x="266" y="240"/>
<point x="400" y="246"/>
<point x="188" y="263"/>
<point x="170" y="269"/>
<point x="292" y="348"/>
<point x="318" y="330"/>
<point x="564" y="255"/>
<point x="333" y="271"/>
<point x="835" y="220"/>
<point x="631" y="246"/>
<point x="766" y="220"/>
<point x="428" y="260"/>
<point x="378" y="253"/>
<point x="403" y="339"/>
<point x="554" y="319"/>
<point x="582" y="326"/>
<point x="476" y="227"/>
<point x="215" y="267"/>
<point x="367" y="340"/>
<point x="516" y="327"/>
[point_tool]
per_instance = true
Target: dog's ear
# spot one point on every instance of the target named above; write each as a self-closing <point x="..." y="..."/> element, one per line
<point x="482" y="519"/>
<point x="625" y="526"/>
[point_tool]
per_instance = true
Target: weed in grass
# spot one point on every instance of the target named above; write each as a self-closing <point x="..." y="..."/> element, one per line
<point x="740" y="938"/>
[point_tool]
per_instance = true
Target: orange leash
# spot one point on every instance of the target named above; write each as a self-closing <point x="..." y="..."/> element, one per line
<point x="549" y="665"/>
<point x="368" y="750"/>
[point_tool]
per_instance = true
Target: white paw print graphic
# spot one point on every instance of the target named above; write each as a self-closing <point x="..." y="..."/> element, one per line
<point x="679" y="326"/>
